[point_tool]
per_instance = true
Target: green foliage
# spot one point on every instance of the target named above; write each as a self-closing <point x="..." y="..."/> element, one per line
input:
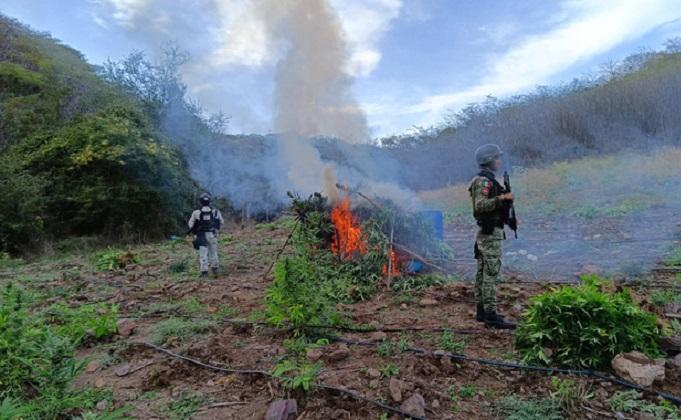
<point x="468" y="391"/>
<point x="297" y="375"/>
<point x="386" y="348"/>
<point x="632" y="402"/>
<point x="37" y="363"/>
<point x="584" y="327"/>
<point x="185" y="406"/>
<point x="85" y="321"/>
<point x="515" y="408"/>
<point x="113" y="259"/>
<point x="180" y="329"/>
<point x="569" y="394"/>
<point x="77" y="156"/>
<point x="663" y="297"/>
<point x="389" y="370"/>
<point x="415" y="283"/>
<point x="449" y="342"/>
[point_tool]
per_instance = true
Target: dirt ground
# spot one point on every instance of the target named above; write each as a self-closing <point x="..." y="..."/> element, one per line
<point x="157" y="386"/>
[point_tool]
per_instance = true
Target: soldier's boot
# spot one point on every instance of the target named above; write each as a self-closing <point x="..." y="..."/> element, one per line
<point x="496" y="321"/>
<point x="204" y="275"/>
<point x="215" y="271"/>
<point x="480" y="314"/>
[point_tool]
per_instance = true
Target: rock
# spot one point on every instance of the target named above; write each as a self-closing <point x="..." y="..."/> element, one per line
<point x="428" y="302"/>
<point x="125" y="327"/>
<point x="436" y="404"/>
<point x="644" y="416"/>
<point x="99" y="383"/>
<point x="341" y="353"/>
<point x="378" y="336"/>
<point x="414" y="405"/>
<point x="282" y="410"/>
<point x="676" y="361"/>
<point x="373" y="373"/>
<point x="314" y="354"/>
<point x="122" y="370"/>
<point x="639" y="368"/>
<point x="673" y="308"/>
<point x="92" y="366"/>
<point x="395" y="387"/>
<point x="101" y="405"/>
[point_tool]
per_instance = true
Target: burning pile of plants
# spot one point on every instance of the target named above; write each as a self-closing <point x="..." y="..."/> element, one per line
<point x="341" y="254"/>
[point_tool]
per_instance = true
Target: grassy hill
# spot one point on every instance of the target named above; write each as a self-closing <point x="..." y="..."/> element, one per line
<point x="77" y="155"/>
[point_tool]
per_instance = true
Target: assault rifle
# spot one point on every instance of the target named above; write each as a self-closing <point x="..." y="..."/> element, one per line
<point x="509" y="210"/>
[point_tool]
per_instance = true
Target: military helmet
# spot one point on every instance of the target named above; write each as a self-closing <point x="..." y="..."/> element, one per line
<point x="205" y="198"/>
<point x="487" y="153"/>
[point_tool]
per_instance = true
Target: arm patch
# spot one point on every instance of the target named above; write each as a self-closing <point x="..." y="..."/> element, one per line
<point x="486" y="186"/>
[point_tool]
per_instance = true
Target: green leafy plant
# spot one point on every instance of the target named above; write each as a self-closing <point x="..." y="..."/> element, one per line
<point x="449" y="342"/>
<point x="516" y="408"/>
<point x="633" y="402"/>
<point x="84" y="321"/>
<point x="180" y="329"/>
<point x="584" y="326"/>
<point x="185" y="406"/>
<point x="297" y="376"/>
<point x="569" y="394"/>
<point x="662" y="298"/>
<point x="385" y="348"/>
<point x="113" y="259"/>
<point x="389" y="370"/>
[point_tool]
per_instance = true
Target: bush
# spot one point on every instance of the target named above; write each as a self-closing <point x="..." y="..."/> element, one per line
<point x="112" y="259"/>
<point x="37" y="364"/>
<point x="585" y="327"/>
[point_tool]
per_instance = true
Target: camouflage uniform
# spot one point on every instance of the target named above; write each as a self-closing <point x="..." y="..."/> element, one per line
<point x="487" y="209"/>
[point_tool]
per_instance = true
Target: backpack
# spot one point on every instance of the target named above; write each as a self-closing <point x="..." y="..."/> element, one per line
<point x="208" y="220"/>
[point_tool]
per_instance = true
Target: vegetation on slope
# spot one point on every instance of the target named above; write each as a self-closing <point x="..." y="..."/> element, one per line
<point x="77" y="156"/>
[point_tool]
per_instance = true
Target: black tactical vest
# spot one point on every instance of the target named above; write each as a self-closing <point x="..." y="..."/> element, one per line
<point x="208" y="221"/>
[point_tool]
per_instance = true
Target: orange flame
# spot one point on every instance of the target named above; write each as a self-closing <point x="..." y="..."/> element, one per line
<point x="348" y="238"/>
<point x="392" y="268"/>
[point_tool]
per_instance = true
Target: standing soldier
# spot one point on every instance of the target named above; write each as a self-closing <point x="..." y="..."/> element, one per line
<point x="490" y="201"/>
<point x="205" y="223"/>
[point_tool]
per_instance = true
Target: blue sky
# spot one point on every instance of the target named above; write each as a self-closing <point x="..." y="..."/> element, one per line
<point x="413" y="61"/>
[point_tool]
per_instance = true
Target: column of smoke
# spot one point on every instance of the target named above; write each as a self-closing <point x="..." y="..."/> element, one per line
<point x="314" y="98"/>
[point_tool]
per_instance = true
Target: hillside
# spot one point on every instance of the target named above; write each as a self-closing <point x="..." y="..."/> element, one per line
<point x="78" y="156"/>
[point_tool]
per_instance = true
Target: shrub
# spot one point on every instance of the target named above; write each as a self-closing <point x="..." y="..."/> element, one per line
<point x="37" y="364"/>
<point x="632" y="402"/>
<point x="180" y="329"/>
<point x="112" y="259"/>
<point x="585" y="327"/>
<point x="514" y="408"/>
<point x="78" y="324"/>
<point x="297" y="376"/>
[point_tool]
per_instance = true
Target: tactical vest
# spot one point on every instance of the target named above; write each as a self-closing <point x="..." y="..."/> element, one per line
<point x="495" y="219"/>
<point x="208" y="221"/>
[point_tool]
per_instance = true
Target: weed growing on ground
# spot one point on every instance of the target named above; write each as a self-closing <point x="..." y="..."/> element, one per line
<point x="389" y="370"/>
<point x="516" y="408"/>
<point x="37" y="361"/>
<point x="83" y="322"/>
<point x="385" y="348"/>
<point x="185" y="406"/>
<point x="449" y="342"/>
<point x="297" y="375"/>
<point x="180" y="329"/>
<point x="113" y="259"/>
<point x="570" y="394"/>
<point x="632" y="402"/>
<point x="585" y="327"/>
<point x="468" y="391"/>
<point x="662" y="298"/>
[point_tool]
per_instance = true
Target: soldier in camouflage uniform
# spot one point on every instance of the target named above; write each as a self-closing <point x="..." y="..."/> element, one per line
<point x="489" y="200"/>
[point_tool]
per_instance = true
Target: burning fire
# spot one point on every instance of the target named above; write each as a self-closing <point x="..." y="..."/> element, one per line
<point x="348" y="239"/>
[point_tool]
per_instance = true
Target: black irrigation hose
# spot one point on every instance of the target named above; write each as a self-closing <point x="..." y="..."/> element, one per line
<point x="266" y="374"/>
<point x="509" y="365"/>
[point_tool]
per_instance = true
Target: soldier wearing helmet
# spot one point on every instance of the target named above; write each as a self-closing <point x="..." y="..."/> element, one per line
<point x="488" y="198"/>
<point x="205" y="223"/>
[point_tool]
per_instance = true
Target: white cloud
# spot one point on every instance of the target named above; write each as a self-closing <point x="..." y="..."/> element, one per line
<point x="585" y="29"/>
<point x="125" y="11"/>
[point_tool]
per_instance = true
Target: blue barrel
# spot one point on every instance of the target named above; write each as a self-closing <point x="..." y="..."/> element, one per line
<point x="436" y="219"/>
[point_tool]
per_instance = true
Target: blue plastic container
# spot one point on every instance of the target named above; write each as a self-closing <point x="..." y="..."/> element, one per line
<point x="436" y="219"/>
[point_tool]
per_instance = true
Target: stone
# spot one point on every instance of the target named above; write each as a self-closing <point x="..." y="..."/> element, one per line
<point x="101" y="405"/>
<point x="125" y="327"/>
<point x="373" y="373"/>
<point x="122" y="370"/>
<point x="428" y="302"/>
<point x="374" y="383"/>
<point x="100" y="383"/>
<point x="92" y="366"/>
<point x="414" y="405"/>
<point x="639" y="368"/>
<point x="313" y="355"/>
<point x="341" y="353"/>
<point x="676" y="361"/>
<point x="282" y="410"/>
<point x="395" y="388"/>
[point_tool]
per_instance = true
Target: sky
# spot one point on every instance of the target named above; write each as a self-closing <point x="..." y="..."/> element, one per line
<point x="412" y="61"/>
